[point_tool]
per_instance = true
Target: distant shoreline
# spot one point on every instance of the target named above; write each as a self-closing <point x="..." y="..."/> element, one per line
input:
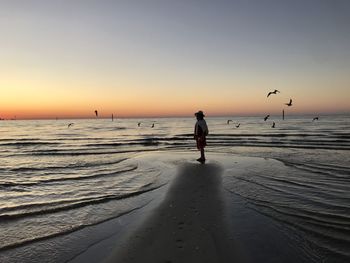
<point x="178" y="117"/>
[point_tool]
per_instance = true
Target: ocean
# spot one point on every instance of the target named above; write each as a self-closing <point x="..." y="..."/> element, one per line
<point x="56" y="179"/>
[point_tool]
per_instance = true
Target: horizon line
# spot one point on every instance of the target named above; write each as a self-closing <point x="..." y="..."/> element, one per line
<point x="172" y="116"/>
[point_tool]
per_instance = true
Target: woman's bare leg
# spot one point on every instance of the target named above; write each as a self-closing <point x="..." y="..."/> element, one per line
<point x="202" y="154"/>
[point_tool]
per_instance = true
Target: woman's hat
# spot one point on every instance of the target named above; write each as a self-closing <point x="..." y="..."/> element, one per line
<point x="200" y="113"/>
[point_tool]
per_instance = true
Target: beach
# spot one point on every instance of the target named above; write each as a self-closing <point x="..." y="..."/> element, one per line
<point x="193" y="224"/>
<point x="90" y="196"/>
<point x="188" y="226"/>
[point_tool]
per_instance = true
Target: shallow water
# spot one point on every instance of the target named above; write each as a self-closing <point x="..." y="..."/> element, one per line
<point x="55" y="179"/>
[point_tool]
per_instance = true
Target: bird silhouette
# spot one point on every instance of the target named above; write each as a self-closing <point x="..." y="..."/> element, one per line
<point x="96" y="113"/>
<point x="314" y="119"/>
<point x="70" y="124"/>
<point x="152" y="125"/>
<point x="289" y="103"/>
<point x="237" y="126"/>
<point x="139" y="124"/>
<point x="228" y="121"/>
<point x="266" y="117"/>
<point x="273" y="125"/>
<point x="273" y="92"/>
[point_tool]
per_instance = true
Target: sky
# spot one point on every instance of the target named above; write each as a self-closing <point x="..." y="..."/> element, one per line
<point x="142" y="58"/>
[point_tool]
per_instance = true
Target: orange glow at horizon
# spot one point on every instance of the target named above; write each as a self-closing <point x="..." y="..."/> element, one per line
<point x="152" y="108"/>
<point x="40" y="94"/>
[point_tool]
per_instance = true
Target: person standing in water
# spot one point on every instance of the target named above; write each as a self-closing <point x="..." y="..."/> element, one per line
<point x="200" y="133"/>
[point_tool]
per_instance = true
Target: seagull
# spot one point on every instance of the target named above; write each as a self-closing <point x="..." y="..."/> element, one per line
<point x="266" y="117"/>
<point x="273" y="125"/>
<point x="314" y="119"/>
<point x="70" y="124"/>
<point x="152" y="125"/>
<point x="139" y="124"/>
<point x="237" y="126"/>
<point x="96" y="113"/>
<point x="289" y="103"/>
<point x="273" y="92"/>
<point x="228" y="121"/>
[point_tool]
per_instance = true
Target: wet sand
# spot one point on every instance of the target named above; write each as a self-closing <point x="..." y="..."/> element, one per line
<point x="198" y="221"/>
<point x="189" y="225"/>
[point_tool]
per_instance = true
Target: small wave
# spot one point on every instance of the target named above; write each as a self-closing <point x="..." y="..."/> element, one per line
<point x="25" y="169"/>
<point x="29" y="143"/>
<point x="75" y="205"/>
<point x="82" y="139"/>
<point x="276" y="145"/>
<point x="10" y="184"/>
<point x="311" y="184"/>
<point x="316" y="135"/>
<point x="66" y="231"/>
<point x="85" y="152"/>
<point x="116" y="144"/>
<point x="108" y="128"/>
<point x="307" y="219"/>
<point x="336" y="168"/>
<point x="333" y="220"/>
<point x="69" y="134"/>
<point x="66" y="166"/>
<point x="310" y="198"/>
<point x="336" y="237"/>
<point x="326" y="169"/>
<point x="20" y="139"/>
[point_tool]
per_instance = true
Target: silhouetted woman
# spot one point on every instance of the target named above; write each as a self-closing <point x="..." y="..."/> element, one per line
<point x="200" y="133"/>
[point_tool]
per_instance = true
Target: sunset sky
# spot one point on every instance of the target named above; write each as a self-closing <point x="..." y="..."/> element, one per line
<point x="173" y="57"/>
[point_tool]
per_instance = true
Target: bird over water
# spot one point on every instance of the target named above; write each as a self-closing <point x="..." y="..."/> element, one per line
<point x="289" y="103"/>
<point x="273" y="92"/>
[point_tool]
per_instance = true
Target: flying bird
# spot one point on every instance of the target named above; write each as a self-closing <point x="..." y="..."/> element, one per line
<point x="314" y="119"/>
<point x="273" y="125"/>
<point x="289" y="103"/>
<point x="273" y="92"/>
<point x="152" y="125"/>
<point x="228" y="121"/>
<point x="266" y="117"/>
<point x="237" y="126"/>
<point x="70" y="124"/>
<point x="96" y="113"/>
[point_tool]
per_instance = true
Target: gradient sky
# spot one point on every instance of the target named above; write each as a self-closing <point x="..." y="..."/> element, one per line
<point x="171" y="58"/>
